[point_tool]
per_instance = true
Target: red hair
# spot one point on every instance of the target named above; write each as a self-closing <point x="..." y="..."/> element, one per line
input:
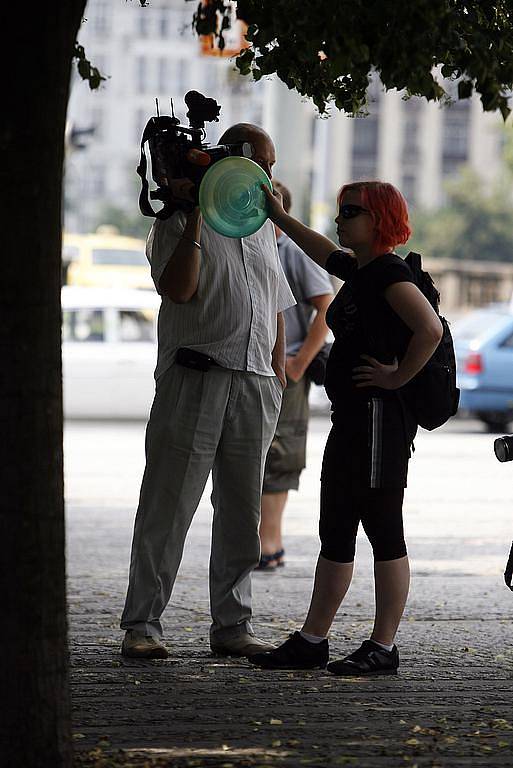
<point x="388" y="209"/>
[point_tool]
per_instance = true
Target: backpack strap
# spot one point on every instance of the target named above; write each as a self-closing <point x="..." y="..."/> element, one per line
<point x="423" y="280"/>
<point x="414" y="261"/>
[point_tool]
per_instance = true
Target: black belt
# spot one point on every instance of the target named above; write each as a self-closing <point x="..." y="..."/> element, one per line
<point x="190" y="358"/>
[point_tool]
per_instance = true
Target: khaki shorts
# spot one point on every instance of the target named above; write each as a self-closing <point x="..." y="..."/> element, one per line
<point x="287" y="455"/>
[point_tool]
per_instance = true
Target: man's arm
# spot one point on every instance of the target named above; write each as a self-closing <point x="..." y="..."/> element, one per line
<point x="179" y="281"/>
<point x="314" y="340"/>
<point x="278" y="355"/>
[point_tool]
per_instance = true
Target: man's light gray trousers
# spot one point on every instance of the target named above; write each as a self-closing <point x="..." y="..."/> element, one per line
<point x="219" y="420"/>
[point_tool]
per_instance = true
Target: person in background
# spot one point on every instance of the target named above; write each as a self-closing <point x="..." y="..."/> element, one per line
<point x="305" y="333"/>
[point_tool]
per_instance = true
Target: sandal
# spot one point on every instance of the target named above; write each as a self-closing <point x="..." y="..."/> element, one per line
<point x="267" y="563"/>
<point x="279" y="557"/>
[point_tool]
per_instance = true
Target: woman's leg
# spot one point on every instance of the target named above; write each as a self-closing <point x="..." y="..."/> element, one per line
<point x="331" y="583"/>
<point x="383" y="524"/>
<point x="338" y="526"/>
<point x="392" y="581"/>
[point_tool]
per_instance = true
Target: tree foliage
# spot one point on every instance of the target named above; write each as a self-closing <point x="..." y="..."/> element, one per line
<point x="326" y="51"/>
<point x="128" y="223"/>
<point x="85" y="69"/>
<point x="473" y="224"/>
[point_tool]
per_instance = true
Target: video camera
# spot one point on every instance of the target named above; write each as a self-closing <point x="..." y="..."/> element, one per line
<point x="180" y="152"/>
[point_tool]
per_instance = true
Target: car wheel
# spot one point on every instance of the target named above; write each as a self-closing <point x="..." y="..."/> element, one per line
<point x="495" y="422"/>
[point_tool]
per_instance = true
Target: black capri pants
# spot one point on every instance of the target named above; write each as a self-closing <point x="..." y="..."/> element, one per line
<point x="363" y="478"/>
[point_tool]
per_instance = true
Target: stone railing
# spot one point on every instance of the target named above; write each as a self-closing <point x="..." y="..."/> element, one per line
<point x="464" y="285"/>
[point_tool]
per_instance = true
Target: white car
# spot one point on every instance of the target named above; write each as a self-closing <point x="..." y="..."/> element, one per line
<point x="109" y="352"/>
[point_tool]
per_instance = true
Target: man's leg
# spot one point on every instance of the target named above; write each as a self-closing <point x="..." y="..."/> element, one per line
<point x="237" y="483"/>
<point x="181" y="441"/>
<point x="285" y="461"/>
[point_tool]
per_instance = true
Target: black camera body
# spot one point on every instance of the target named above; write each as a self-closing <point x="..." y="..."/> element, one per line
<point x="181" y="152"/>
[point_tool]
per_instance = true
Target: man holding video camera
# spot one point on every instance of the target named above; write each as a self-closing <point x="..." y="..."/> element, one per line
<point x="219" y="381"/>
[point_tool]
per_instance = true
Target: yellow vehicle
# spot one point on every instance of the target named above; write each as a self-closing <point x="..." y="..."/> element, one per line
<point x="105" y="259"/>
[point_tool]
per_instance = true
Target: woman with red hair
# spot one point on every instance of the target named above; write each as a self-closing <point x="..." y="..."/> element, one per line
<point x="385" y="331"/>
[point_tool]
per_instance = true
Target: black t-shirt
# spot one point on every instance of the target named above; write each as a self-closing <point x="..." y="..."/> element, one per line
<point x="363" y="322"/>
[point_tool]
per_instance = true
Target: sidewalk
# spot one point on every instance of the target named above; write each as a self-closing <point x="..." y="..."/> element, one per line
<point x="451" y="704"/>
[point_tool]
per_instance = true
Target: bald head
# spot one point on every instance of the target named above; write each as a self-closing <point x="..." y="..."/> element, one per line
<point x="243" y="132"/>
<point x="263" y="148"/>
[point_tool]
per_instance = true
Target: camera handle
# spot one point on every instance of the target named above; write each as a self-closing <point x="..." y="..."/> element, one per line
<point x="162" y="193"/>
<point x="145" y="194"/>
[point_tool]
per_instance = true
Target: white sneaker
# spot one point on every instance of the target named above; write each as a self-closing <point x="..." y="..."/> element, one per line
<point x="142" y="646"/>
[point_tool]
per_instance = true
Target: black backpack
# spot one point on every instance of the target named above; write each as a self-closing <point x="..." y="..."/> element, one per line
<point x="432" y="395"/>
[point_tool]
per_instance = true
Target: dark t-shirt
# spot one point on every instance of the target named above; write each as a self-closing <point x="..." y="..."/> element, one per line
<point x="363" y="322"/>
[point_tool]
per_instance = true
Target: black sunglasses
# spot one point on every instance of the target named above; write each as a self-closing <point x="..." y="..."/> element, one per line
<point x="350" y="211"/>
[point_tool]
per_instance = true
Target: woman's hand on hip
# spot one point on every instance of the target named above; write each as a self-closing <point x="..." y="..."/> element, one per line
<point x="376" y="374"/>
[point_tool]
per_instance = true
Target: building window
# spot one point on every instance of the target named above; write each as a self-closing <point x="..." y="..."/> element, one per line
<point x="411" y="147"/>
<point x="141" y="74"/>
<point x="456" y="133"/>
<point x="365" y="147"/>
<point x="182" y="76"/>
<point x="100" y="18"/>
<point x="163" y="23"/>
<point x="363" y="169"/>
<point x="143" y="22"/>
<point x="450" y="167"/>
<point x="409" y="187"/>
<point x="365" y="137"/>
<point x="455" y="139"/>
<point x="163" y="75"/>
<point x="140" y="120"/>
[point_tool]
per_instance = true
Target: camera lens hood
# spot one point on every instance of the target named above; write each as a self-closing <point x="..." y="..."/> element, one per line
<point x="503" y="448"/>
<point x="231" y="197"/>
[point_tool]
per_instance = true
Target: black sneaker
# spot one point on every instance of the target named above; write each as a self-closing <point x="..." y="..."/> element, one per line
<point x="294" y="653"/>
<point x="369" y="659"/>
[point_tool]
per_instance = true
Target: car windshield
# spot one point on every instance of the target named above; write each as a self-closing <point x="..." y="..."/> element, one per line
<point x="478" y="324"/>
<point x="125" y="257"/>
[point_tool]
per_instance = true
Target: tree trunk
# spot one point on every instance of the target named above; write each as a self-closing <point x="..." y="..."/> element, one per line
<point x="35" y="727"/>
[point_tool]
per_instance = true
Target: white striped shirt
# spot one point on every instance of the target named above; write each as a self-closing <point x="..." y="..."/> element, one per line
<point x="232" y="316"/>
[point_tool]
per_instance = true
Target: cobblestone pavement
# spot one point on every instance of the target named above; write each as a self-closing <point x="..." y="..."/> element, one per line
<point x="449" y="706"/>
